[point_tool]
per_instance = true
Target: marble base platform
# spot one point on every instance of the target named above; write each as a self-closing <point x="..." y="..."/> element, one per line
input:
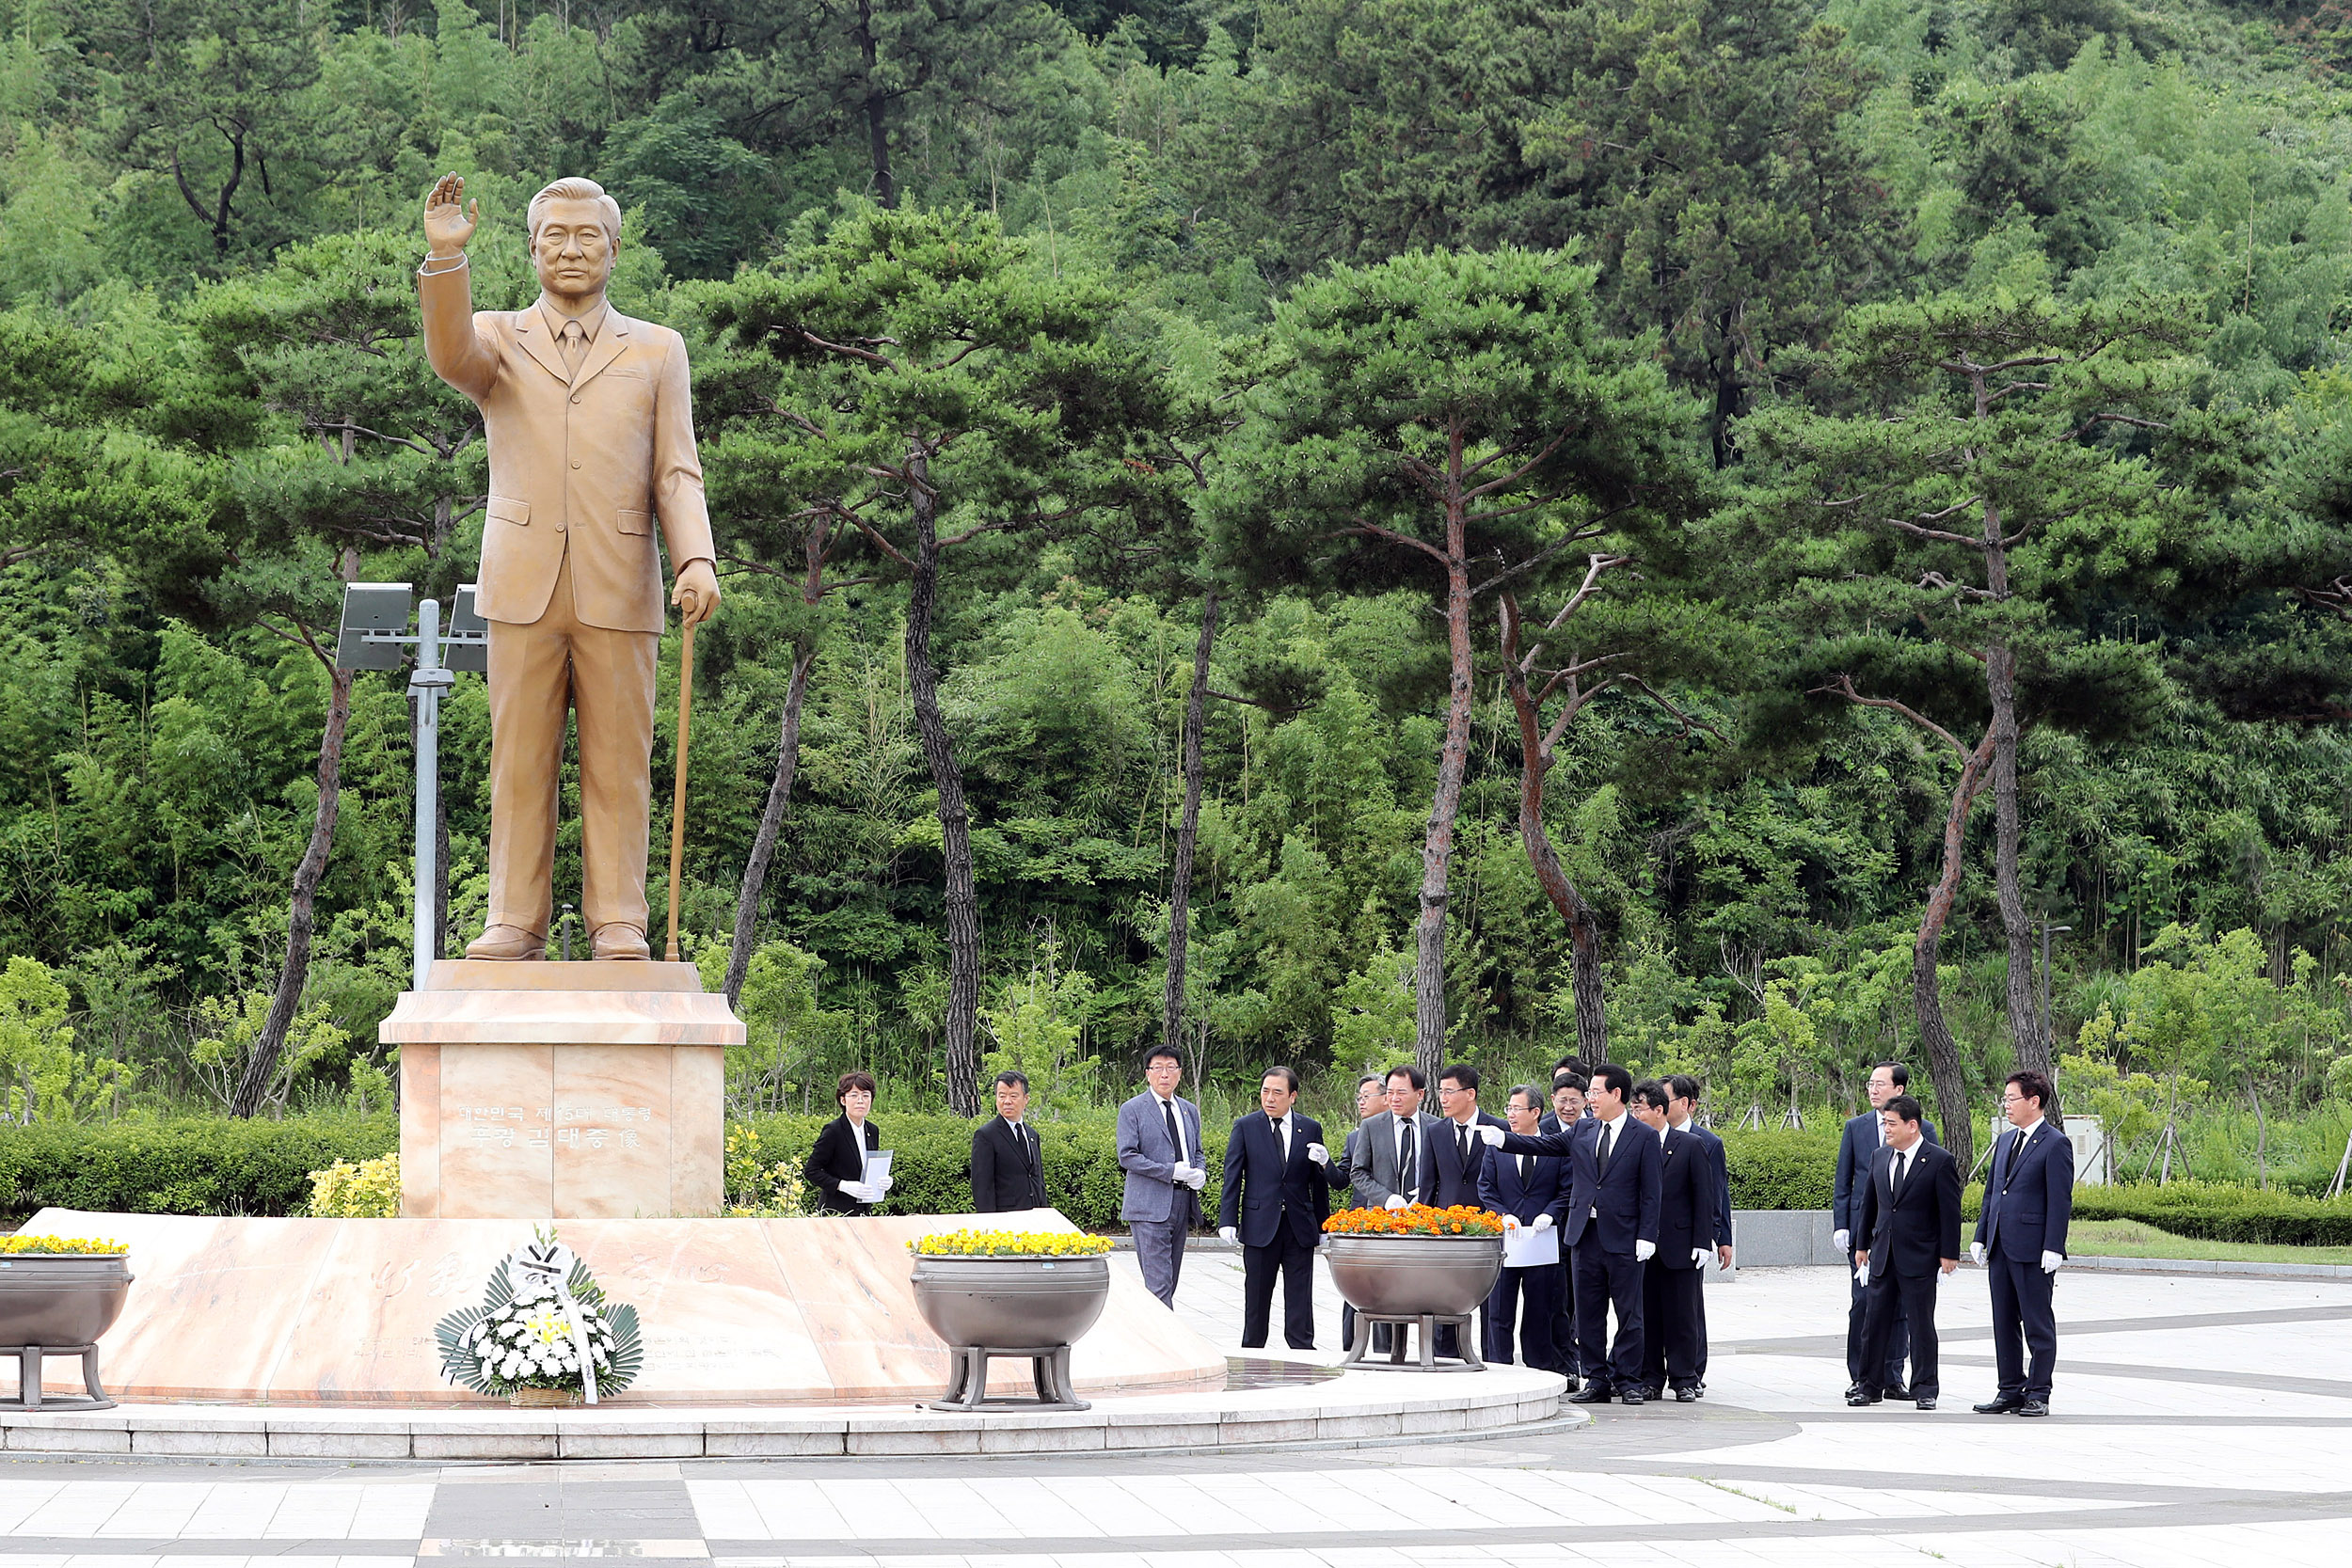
<point x="1358" y="1409"/>
<point x="763" y="1312"/>
<point x="561" y="1091"/>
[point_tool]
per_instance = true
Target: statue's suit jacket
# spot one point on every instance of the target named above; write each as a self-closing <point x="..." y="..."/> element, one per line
<point x="591" y="460"/>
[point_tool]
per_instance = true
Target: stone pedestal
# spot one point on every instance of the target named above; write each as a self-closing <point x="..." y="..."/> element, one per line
<point x="561" y="1091"/>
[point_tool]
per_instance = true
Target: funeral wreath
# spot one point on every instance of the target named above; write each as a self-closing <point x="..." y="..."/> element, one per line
<point x="544" y="1324"/>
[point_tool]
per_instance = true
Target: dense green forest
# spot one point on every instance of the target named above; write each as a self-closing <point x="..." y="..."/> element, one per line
<point x="1819" y="493"/>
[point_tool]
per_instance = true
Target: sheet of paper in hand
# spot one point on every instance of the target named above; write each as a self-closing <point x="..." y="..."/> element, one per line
<point x="1527" y="1247"/>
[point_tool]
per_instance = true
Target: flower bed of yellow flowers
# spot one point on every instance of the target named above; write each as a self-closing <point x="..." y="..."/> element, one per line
<point x="1415" y="1219"/>
<point x="60" y="1246"/>
<point x="1010" y="1244"/>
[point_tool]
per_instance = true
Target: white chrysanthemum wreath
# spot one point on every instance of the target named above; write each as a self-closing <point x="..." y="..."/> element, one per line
<point x="543" y="1323"/>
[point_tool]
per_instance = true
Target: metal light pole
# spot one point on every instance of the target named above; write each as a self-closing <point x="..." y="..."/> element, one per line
<point x="2046" y="929"/>
<point x="374" y="635"/>
<point x="425" y="684"/>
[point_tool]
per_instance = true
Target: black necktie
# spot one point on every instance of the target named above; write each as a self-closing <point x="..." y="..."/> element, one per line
<point x="1461" y="1146"/>
<point x="2016" y="1152"/>
<point x="1405" y="1173"/>
<point x="1527" y="1170"/>
<point x="1608" y="1141"/>
<point x="1175" y="1139"/>
<point x="1895" y="1181"/>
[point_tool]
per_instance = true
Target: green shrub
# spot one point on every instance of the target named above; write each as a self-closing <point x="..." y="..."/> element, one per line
<point x="1782" y="1167"/>
<point x="183" y="1165"/>
<point x="2208" y="1212"/>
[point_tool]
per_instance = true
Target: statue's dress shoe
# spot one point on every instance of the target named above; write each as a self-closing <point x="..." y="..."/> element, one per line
<point x="506" y="944"/>
<point x="617" y="940"/>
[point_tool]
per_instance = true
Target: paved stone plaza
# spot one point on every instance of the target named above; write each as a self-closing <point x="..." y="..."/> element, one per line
<point x="2198" y="1420"/>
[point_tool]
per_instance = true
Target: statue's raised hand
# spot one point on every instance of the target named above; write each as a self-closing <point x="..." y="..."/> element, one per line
<point x="449" y="219"/>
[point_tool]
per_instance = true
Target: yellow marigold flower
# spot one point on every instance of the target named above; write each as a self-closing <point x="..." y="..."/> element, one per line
<point x="59" y="1245"/>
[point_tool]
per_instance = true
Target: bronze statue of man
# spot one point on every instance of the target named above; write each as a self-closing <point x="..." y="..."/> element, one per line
<point x="592" y="438"/>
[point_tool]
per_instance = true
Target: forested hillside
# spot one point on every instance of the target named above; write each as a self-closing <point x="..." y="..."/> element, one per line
<point x="1786" y="470"/>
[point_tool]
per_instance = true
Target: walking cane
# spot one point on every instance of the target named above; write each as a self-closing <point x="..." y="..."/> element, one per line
<point x="677" y="799"/>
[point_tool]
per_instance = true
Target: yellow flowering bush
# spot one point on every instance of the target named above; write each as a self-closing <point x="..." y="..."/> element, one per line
<point x="1010" y="1244"/>
<point x="367" y="1191"/>
<point x="759" y="1191"/>
<point x="60" y="1245"/>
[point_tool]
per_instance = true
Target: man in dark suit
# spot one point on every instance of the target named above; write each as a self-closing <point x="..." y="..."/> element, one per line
<point x="1564" y="1071"/>
<point x="1682" y="1106"/>
<point x="1613" y="1225"/>
<point x="1371" y="1094"/>
<point x="1274" y="1202"/>
<point x="1864" y="1137"/>
<point x="1569" y="1086"/>
<point x="2021" y="1240"/>
<point x="1910" y="1224"/>
<point x="1530" y="1194"/>
<point x="1008" y="1167"/>
<point x="1461" y="1158"/>
<point x="1671" y="1280"/>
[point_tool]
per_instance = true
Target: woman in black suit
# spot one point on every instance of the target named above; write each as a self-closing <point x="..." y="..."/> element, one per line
<point x="837" y="1166"/>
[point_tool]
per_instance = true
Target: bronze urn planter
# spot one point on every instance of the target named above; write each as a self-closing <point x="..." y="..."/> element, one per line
<point x="1033" y="1308"/>
<point x="59" y="1304"/>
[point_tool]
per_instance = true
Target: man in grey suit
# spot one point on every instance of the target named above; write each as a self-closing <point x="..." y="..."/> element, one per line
<point x="1159" y="1148"/>
<point x="1392" y="1167"/>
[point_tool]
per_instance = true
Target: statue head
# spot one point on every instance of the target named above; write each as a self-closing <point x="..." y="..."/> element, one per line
<point x="574" y="236"/>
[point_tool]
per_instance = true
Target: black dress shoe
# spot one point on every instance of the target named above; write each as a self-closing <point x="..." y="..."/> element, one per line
<point x="2034" y="1407"/>
<point x="1686" y="1395"/>
<point x="1895" y="1392"/>
<point x="1632" y="1396"/>
<point x="1852" y="1388"/>
<point x="2000" y="1405"/>
<point x="1592" y="1393"/>
<point x="1574" y="1382"/>
<point x="1863" y="1395"/>
<point x="1926" y="1401"/>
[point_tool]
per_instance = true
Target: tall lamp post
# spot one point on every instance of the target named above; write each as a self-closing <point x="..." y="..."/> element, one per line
<point x="374" y="635"/>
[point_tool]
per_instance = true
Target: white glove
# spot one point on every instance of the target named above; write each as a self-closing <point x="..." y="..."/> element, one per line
<point x="2050" y="1261"/>
<point x="1396" y="1201"/>
<point x="1862" y="1273"/>
<point x="1180" y="1174"/>
<point x="1198" y="1179"/>
<point x="1510" y="1225"/>
<point x="1319" y="1154"/>
<point x="1543" y="1221"/>
<point x="1976" y="1253"/>
<point x="1493" y="1136"/>
<point x="1699" y="1256"/>
<point x="1842" y="1240"/>
<point x="1644" y="1251"/>
<point x="885" y="1183"/>
<point x="861" y="1192"/>
<point x="1227" y="1234"/>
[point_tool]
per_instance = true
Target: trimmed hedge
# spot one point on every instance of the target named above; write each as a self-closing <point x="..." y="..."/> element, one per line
<point x="1782" y="1167"/>
<point x="2208" y="1212"/>
<point x="184" y="1165"/>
